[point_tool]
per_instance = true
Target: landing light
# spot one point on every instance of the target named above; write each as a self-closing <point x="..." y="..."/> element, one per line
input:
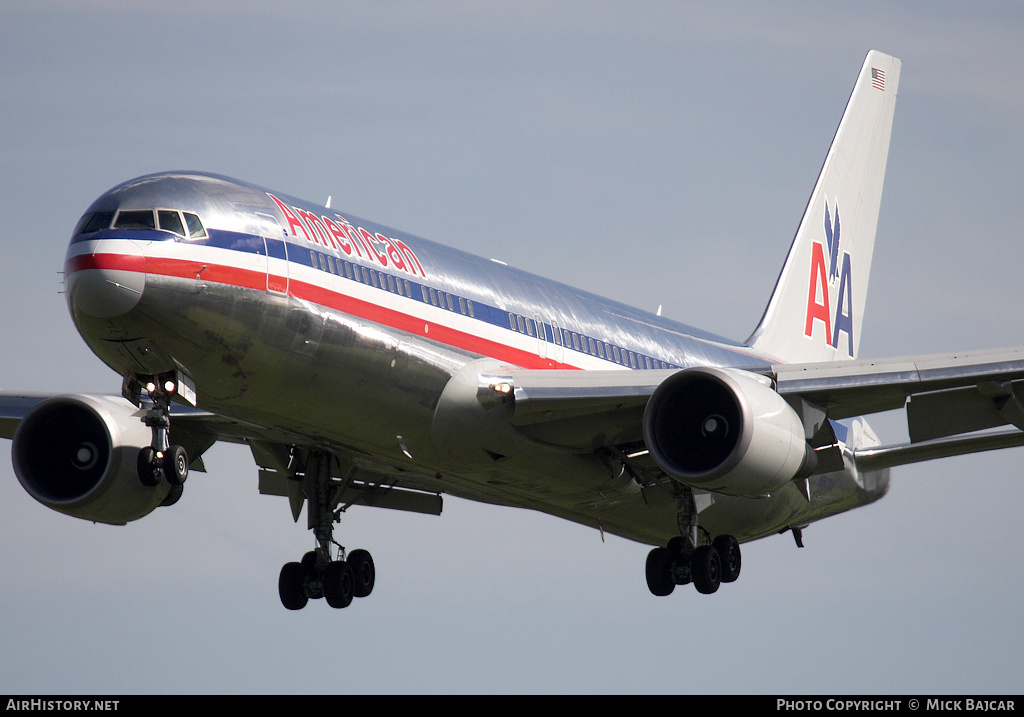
<point x="169" y="386"/>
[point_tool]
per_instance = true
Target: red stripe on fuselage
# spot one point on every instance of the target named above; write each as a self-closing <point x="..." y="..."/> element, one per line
<point x="251" y="279"/>
<point x="110" y="262"/>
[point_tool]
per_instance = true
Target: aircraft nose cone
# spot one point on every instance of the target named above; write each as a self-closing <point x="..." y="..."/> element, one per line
<point x="106" y="281"/>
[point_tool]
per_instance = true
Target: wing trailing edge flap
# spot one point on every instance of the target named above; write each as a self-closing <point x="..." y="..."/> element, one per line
<point x="948" y="398"/>
<point x="283" y="473"/>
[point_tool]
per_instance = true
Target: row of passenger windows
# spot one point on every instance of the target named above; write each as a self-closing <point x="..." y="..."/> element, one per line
<point x="185" y="224"/>
<point x="396" y="285"/>
<point x="521" y="324"/>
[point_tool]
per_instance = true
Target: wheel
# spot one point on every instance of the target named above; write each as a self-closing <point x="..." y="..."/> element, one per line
<point x="729" y="551"/>
<point x="175" y="465"/>
<point x="363" y="570"/>
<point x="173" y="495"/>
<point x="291" y="586"/>
<point x="314" y="586"/>
<point x="149" y="471"/>
<point x="659" y="575"/>
<point x="338" y="581"/>
<point x="706" y="567"/>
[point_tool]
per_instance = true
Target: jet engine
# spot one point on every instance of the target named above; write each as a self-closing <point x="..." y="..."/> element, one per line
<point x="724" y="430"/>
<point x="78" y="454"/>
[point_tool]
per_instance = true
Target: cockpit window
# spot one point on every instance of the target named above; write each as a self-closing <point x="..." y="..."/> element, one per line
<point x="170" y="221"/>
<point x="135" y="219"/>
<point x="195" y="227"/>
<point x="96" y="222"/>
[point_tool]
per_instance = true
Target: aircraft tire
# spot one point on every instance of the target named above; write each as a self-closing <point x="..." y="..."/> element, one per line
<point x="175" y="465"/>
<point x="659" y="575"/>
<point x="291" y="586"/>
<point x="706" y="567"/>
<point x="729" y="551"/>
<point x="148" y="469"/>
<point x="339" y="582"/>
<point x="173" y="496"/>
<point x="363" y="571"/>
<point x="314" y="586"/>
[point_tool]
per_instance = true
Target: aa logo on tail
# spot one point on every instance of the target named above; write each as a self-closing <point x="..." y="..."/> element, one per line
<point x="829" y="298"/>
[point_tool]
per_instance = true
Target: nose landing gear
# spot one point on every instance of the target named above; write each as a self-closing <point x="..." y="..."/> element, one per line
<point x="161" y="460"/>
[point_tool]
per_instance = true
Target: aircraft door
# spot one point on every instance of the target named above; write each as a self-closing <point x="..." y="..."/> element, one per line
<point x="276" y="253"/>
<point x="542" y="346"/>
<point x="556" y="350"/>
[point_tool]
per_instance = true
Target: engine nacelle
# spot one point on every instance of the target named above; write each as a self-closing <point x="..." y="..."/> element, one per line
<point x="723" y="430"/>
<point x="78" y="454"/>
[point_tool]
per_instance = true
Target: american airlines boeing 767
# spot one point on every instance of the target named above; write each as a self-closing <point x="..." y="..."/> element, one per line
<point x="367" y="367"/>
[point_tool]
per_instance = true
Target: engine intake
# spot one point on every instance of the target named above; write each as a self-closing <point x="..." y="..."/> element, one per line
<point x="723" y="430"/>
<point x="78" y="454"/>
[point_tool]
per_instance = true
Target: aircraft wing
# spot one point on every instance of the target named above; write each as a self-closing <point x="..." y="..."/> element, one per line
<point x="13" y="408"/>
<point x="945" y="395"/>
<point x="371" y="481"/>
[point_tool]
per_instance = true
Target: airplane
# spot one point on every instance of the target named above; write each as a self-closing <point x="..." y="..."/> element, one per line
<point x="364" y="366"/>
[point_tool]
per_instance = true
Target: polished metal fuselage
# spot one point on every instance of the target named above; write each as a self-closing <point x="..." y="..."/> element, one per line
<point x="346" y="339"/>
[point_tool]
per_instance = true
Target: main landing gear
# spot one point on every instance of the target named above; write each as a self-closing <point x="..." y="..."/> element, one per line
<point x="160" y="460"/>
<point x="706" y="566"/>
<point x="337" y="578"/>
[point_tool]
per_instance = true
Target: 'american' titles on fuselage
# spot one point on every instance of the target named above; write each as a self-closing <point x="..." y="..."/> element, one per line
<point x="341" y="235"/>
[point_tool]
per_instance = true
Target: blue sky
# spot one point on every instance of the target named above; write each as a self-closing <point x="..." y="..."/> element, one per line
<point x="659" y="153"/>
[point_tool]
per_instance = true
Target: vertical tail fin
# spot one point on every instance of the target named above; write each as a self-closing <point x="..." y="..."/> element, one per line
<point x="815" y="313"/>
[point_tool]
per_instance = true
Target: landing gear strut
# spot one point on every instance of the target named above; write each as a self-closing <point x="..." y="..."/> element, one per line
<point x="328" y="571"/>
<point x="160" y="460"/>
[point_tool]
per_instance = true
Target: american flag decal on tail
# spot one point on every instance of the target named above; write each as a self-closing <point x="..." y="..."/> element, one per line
<point x="878" y="78"/>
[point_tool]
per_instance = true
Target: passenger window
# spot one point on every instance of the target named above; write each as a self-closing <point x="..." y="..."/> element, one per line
<point x="195" y="227"/>
<point x="135" y="219"/>
<point x="170" y="222"/>
<point x="98" y="221"/>
<point x="472" y="311"/>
